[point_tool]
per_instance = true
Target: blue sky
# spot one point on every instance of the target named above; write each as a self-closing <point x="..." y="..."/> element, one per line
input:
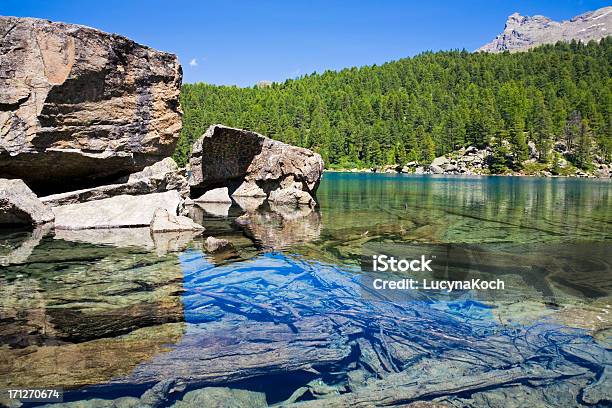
<point x="243" y="42"/>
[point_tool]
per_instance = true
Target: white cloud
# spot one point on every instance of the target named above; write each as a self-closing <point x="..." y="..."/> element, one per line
<point x="193" y="62"/>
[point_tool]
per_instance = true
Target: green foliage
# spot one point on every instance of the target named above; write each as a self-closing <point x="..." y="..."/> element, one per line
<point x="501" y="158"/>
<point x="520" y="150"/>
<point x="534" y="168"/>
<point x="583" y="156"/>
<point x="426" y="106"/>
<point x="556" y="165"/>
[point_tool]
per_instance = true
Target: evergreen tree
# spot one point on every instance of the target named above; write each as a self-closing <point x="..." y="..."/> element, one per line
<point x="583" y="156"/>
<point x="542" y="129"/>
<point x="428" y="150"/>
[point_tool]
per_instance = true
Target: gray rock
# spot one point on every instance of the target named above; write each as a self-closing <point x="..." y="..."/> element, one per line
<point x="440" y="161"/>
<point x="524" y="32"/>
<point x="603" y="171"/>
<point x="436" y="169"/>
<point x="213" y="244"/>
<point x="161" y="392"/>
<point x="164" y="221"/>
<point x="215" y="209"/>
<point x="115" y="212"/>
<point x="291" y="196"/>
<point x="450" y="168"/>
<point x="249" y="189"/>
<point x="142" y="237"/>
<point x="160" y="177"/>
<point x="222" y="397"/>
<point x="164" y="175"/>
<point x="123" y="402"/>
<point x="98" y="193"/>
<point x="471" y="150"/>
<point x="216" y="195"/>
<point x="533" y="150"/>
<point x="251" y="164"/>
<point x="156" y="170"/>
<point x="20" y="206"/>
<point x="80" y="105"/>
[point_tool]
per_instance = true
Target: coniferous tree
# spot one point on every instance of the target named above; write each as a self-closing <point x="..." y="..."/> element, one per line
<point x="583" y="158"/>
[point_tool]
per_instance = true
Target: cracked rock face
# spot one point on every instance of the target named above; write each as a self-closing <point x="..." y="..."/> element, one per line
<point x="252" y="165"/>
<point x="524" y="32"/>
<point x="79" y="106"/>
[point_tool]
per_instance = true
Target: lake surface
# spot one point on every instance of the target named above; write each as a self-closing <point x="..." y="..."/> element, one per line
<point x="290" y="315"/>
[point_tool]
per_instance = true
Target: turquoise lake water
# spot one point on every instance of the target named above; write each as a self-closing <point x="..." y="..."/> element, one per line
<point x="289" y="316"/>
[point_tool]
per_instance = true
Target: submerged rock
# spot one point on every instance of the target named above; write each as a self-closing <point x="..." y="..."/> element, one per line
<point x="161" y="242"/>
<point x="291" y="196"/>
<point x="20" y="206"/>
<point x="251" y="165"/>
<point x="164" y="221"/>
<point x="80" y="105"/>
<point x="165" y="175"/>
<point x="161" y="392"/>
<point x="280" y="226"/>
<point x="213" y="244"/>
<point x="222" y="397"/>
<point x="115" y="212"/>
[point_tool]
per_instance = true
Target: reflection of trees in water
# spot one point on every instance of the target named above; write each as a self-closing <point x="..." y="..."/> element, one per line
<point x="470" y="209"/>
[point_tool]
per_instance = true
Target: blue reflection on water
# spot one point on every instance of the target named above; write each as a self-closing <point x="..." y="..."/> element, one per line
<point x="251" y="323"/>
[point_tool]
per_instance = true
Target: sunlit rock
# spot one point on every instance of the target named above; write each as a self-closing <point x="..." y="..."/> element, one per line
<point x="215" y="209"/>
<point x="115" y="212"/>
<point x="213" y="244"/>
<point x="251" y="165"/>
<point x="164" y="221"/>
<point x="20" y="206"/>
<point x="80" y="106"/>
<point x="157" y="178"/>
<point x="216" y="195"/>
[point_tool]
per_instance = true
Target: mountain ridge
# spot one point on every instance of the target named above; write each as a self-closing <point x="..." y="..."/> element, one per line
<point x="524" y="32"/>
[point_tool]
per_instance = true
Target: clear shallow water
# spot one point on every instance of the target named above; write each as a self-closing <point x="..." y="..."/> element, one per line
<point x="290" y="315"/>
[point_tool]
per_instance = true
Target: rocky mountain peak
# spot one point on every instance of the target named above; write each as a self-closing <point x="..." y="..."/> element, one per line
<point x="524" y="32"/>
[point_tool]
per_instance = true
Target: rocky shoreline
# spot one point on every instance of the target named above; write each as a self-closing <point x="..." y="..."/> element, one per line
<point x="471" y="161"/>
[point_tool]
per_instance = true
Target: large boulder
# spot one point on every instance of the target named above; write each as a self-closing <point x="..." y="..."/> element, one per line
<point x="20" y="206"/>
<point x="79" y="106"/>
<point x="124" y="211"/>
<point x="251" y="165"/>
